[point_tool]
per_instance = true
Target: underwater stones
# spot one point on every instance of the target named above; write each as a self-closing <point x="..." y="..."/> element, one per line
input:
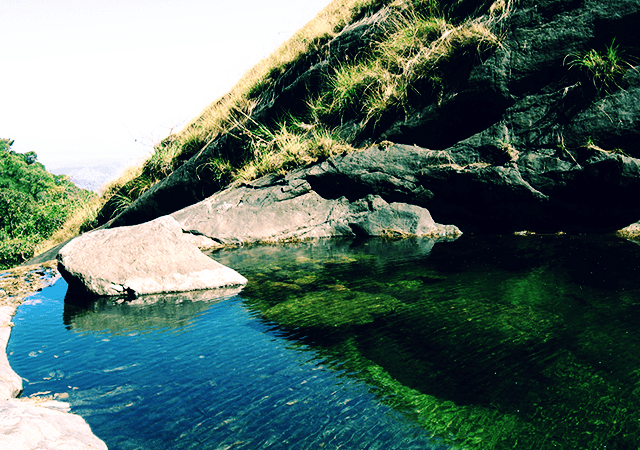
<point x="342" y="308"/>
<point x="149" y="258"/>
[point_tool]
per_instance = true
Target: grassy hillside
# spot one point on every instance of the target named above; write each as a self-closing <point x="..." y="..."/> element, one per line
<point x="34" y="204"/>
<point x="405" y="63"/>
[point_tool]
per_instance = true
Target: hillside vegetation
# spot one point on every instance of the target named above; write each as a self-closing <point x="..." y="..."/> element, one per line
<point x="406" y="62"/>
<point x="366" y="72"/>
<point x="34" y="204"/>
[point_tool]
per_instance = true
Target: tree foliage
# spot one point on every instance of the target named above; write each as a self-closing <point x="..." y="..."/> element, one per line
<point x="33" y="203"/>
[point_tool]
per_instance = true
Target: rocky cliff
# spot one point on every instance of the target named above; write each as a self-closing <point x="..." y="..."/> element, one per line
<point x="534" y="127"/>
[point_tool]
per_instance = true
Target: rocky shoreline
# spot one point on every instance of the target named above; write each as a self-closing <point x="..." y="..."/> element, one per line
<point x="41" y="423"/>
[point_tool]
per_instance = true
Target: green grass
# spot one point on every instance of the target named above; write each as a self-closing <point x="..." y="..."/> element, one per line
<point x="287" y="147"/>
<point x="603" y="69"/>
<point x="407" y="61"/>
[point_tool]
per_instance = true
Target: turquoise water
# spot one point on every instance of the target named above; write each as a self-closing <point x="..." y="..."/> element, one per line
<point x="483" y="343"/>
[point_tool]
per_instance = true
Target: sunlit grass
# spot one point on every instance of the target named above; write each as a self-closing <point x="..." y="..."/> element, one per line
<point x="227" y="113"/>
<point x="604" y="69"/>
<point x="412" y="52"/>
<point x="288" y="148"/>
<point x="222" y="115"/>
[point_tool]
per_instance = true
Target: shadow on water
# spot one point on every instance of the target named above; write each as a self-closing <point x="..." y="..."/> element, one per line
<point x="489" y="342"/>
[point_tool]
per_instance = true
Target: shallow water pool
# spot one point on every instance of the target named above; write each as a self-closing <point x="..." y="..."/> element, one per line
<point x="487" y="342"/>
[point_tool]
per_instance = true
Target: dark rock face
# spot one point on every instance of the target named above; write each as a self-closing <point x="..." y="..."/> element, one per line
<point x="491" y="189"/>
<point x="518" y="139"/>
<point x="484" y="188"/>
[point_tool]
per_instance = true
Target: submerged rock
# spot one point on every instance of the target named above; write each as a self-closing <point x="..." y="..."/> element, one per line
<point x="631" y="232"/>
<point x="150" y="258"/>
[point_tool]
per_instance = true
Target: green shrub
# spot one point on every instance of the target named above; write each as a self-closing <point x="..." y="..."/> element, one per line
<point x="34" y="204"/>
<point x="602" y="70"/>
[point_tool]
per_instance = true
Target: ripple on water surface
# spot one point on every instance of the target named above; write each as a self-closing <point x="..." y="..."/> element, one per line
<point x="195" y="374"/>
<point x="485" y="343"/>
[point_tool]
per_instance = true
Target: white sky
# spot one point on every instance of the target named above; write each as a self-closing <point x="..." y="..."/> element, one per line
<point x="88" y="80"/>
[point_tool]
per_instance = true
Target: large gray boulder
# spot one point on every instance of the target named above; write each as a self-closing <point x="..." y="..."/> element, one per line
<point x="144" y="259"/>
<point x="284" y="208"/>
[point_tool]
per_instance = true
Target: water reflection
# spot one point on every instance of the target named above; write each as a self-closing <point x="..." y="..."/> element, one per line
<point x="143" y="314"/>
<point x="222" y="378"/>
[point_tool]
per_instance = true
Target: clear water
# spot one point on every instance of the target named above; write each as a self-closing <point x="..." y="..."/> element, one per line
<point x="487" y="342"/>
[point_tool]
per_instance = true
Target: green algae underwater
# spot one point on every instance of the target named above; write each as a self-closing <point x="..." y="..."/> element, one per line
<point x="503" y="342"/>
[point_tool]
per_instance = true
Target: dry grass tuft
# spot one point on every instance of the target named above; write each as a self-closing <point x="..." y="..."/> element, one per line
<point x="418" y="41"/>
<point x="287" y="149"/>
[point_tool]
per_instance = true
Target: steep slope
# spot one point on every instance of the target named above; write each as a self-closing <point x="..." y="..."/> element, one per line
<point x="526" y="113"/>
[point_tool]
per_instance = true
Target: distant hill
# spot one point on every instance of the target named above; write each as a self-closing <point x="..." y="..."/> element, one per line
<point x="91" y="175"/>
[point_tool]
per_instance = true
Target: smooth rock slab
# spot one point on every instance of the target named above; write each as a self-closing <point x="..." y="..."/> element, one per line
<point x="276" y="209"/>
<point x="372" y="216"/>
<point x="34" y="425"/>
<point x="150" y="258"/>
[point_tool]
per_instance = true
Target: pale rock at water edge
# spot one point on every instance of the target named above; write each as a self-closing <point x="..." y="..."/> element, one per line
<point x="150" y="258"/>
<point x="29" y="424"/>
<point x="10" y="382"/>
